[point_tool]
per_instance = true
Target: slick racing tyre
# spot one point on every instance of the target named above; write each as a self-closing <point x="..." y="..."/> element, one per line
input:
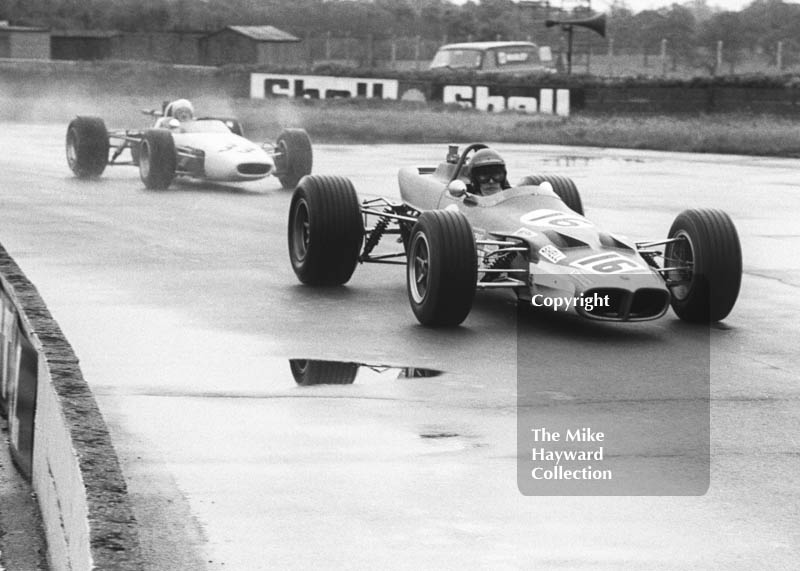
<point x="87" y="146"/>
<point x="325" y="230"/>
<point x="310" y="372"/>
<point x="563" y="186"/>
<point x="294" y="158"/>
<point x="157" y="159"/>
<point x="709" y="251"/>
<point x="442" y="268"/>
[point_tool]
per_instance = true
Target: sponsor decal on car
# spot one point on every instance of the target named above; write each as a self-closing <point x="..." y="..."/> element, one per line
<point x="551" y="253"/>
<point x="526" y="233"/>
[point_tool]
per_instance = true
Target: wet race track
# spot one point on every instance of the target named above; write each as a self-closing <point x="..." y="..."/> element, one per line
<point x="185" y="313"/>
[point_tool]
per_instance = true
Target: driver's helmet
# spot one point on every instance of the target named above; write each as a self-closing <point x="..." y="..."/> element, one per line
<point x="488" y="172"/>
<point x="180" y="109"/>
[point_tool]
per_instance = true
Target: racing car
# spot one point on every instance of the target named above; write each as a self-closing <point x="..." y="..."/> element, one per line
<point x="207" y="148"/>
<point x="531" y="238"/>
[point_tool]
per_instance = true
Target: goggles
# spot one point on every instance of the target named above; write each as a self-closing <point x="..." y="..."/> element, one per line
<point x="490" y="176"/>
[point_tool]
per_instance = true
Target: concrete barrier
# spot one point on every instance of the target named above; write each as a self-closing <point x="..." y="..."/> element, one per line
<point x="72" y="466"/>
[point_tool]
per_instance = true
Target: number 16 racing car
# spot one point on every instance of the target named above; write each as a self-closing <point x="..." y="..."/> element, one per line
<point x="212" y="149"/>
<point x="531" y="238"/>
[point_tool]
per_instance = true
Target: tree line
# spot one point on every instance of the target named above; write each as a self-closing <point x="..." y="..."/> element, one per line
<point x="692" y="30"/>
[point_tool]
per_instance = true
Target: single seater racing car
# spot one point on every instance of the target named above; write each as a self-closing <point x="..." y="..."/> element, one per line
<point x="531" y="238"/>
<point x="207" y="148"/>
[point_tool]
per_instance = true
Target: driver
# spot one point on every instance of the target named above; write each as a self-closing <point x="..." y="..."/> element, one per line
<point x="180" y="109"/>
<point x="488" y="173"/>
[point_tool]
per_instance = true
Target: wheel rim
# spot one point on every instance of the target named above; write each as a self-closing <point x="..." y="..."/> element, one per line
<point x="72" y="149"/>
<point x="419" y="267"/>
<point x="300" y="231"/>
<point x="681" y="253"/>
<point x="144" y="160"/>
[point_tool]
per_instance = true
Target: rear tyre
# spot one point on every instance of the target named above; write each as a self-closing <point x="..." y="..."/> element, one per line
<point x="294" y="157"/>
<point x="710" y="248"/>
<point x="442" y="268"/>
<point x="563" y="186"/>
<point x="325" y="230"/>
<point x="157" y="159"/>
<point x="311" y="372"/>
<point x="87" y="146"/>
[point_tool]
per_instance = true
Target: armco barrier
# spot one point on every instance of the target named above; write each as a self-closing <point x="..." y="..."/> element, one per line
<point x="58" y="437"/>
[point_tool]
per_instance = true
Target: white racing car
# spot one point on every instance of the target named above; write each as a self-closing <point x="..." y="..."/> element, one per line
<point x="207" y="148"/>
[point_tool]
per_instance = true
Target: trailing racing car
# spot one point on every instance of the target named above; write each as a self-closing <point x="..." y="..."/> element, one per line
<point x="207" y="148"/>
<point x="531" y="238"/>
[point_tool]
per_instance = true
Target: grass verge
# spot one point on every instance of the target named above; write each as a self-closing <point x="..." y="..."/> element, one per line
<point x="393" y="122"/>
<point x="377" y="121"/>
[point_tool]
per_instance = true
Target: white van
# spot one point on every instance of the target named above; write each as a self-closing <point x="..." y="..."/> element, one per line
<point x="494" y="57"/>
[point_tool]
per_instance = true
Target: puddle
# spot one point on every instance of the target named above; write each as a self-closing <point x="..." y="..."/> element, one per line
<point x="307" y="372"/>
<point x="439" y="435"/>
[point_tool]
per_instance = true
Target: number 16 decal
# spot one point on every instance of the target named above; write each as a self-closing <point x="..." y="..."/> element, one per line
<point x="547" y="217"/>
<point x="610" y="263"/>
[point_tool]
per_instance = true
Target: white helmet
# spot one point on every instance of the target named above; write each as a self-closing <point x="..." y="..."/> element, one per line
<point x="181" y="109"/>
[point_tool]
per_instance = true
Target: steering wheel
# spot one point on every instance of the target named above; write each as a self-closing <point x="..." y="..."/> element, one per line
<point x="462" y="160"/>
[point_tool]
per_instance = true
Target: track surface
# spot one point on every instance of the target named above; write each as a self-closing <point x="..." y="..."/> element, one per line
<point x="184" y="312"/>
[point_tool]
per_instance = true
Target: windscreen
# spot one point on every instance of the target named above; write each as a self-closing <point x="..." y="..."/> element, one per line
<point x="204" y="126"/>
<point x="457" y="59"/>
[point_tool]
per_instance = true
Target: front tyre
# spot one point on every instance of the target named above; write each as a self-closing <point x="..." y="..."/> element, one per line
<point x="709" y="253"/>
<point x="293" y="158"/>
<point x="157" y="159"/>
<point x="325" y="230"/>
<point x="563" y="186"/>
<point x="442" y="268"/>
<point x="87" y="146"/>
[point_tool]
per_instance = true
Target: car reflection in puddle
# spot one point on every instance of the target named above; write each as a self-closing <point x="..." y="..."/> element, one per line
<point x="308" y="372"/>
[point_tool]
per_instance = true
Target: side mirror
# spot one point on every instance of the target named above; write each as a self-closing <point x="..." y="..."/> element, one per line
<point x="457" y="188"/>
<point x="174" y="123"/>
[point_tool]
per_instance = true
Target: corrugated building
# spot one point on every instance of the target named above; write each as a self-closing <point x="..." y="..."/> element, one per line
<point x="24" y="42"/>
<point x="265" y="45"/>
<point x="83" y="44"/>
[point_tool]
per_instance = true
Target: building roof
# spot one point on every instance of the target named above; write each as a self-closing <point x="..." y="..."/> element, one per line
<point x="5" y="27"/>
<point x="94" y="34"/>
<point x="264" y="33"/>
<point x="486" y="45"/>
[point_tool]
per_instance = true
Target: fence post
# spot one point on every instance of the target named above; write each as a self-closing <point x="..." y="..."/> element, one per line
<point x="718" y="64"/>
<point x="610" y="56"/>
<point x="664" y="56"/>
<point x="328" y="46"/>
<point x="779" y="56"/>
<point x="417" y="47"/>
<point x="370" y="51"/>
<point x="394" y="52"/>
<point x="589" y="60"/>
